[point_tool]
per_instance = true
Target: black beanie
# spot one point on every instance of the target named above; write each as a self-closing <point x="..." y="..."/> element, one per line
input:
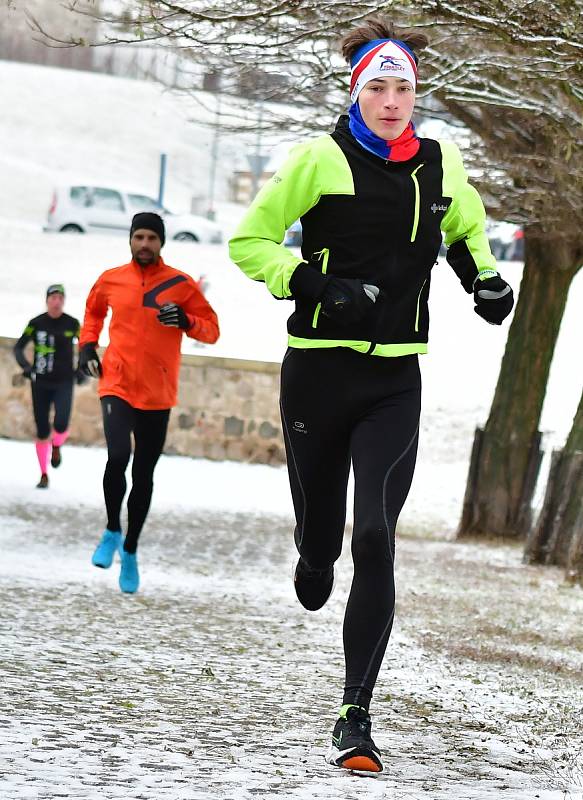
<point x="150" y="222"/>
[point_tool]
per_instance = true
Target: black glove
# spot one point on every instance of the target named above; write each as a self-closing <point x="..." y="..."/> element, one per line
<point x="173" y="316"/>
<point x="80" y="377"/>
<point x="344" y="300"/>
<point x="494" y="299"/>
<point x="347" y="300"/>
<point x="308" y="283"/>
<point x="89" y="362"/>
<point x="27" y="372"/>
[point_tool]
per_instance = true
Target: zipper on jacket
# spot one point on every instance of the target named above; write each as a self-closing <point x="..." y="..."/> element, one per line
<point x="324" y="255"/>
<point x="141" y="339"/>
<point x="418" y="303"/>
<point x="417" y="202"/>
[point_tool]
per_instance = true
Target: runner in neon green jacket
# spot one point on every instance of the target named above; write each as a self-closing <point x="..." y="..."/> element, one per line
<point x="374" y="200"/>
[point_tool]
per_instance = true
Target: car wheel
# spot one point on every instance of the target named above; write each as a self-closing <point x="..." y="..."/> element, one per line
<point x="185" y="236"/>
<point x="71" y="228"/>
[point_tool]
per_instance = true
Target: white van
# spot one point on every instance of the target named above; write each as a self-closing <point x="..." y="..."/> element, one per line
<point x="88" y="209"/>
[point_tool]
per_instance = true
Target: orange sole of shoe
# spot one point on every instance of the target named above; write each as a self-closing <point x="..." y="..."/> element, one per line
<point x="361" y="763"/>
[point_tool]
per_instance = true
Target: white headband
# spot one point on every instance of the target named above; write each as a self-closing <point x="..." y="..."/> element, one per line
<point x="384" y="59"/>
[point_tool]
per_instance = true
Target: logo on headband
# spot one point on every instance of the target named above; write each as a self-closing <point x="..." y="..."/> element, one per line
<point x="392" y="63"/>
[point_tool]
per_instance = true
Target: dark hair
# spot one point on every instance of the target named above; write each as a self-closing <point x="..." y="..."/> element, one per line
<point x="380" y="27"/>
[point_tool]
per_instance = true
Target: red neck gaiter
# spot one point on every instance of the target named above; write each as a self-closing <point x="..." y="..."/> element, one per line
<point x="404" y="146"/>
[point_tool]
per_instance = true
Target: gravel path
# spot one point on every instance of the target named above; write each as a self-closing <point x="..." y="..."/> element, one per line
<point x="212" y="682"/>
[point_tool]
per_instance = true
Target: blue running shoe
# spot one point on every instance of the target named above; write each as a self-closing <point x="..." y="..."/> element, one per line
<point x="109" y="545"/>
<point x="129" y="577"/>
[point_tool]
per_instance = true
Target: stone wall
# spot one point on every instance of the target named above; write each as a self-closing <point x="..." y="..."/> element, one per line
<point x="227" y="409"/>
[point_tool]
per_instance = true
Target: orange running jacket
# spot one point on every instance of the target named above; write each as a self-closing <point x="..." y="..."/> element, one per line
<point x="142" y="360"/>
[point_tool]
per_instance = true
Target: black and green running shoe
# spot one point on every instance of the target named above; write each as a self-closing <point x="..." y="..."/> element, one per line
<point x="352" y="745"/>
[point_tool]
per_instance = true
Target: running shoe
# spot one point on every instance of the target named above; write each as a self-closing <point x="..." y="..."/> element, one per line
<point x="109" y="545"/>
<point x="313" y="586"/>
<point x="352" y="745"/>
<point x="56" y="456"/>
<point x="44" y="482"/>
<point x="129" y="577"/>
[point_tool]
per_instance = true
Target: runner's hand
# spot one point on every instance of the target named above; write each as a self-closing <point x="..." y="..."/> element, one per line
<point x="344" y="300"/>
<point x="80" y="377"/>
<point x="307" y="283"/>
<point x="89" y="362"/>
<point x="27" y="372"/>
<point x="494" y="299"/>
<point x="347" y="300"/>
<point x="173" y="316"/>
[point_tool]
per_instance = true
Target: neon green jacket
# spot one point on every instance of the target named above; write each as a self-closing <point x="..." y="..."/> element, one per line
<point x="363" y="217"/>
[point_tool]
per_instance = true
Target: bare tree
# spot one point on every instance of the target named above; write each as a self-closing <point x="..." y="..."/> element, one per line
<point x="511" y="73"/>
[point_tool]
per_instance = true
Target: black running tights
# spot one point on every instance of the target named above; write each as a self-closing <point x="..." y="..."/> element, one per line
<point x="120" y="420"/>
<point x="339" y="406"/>
<point x="45" y="395"/>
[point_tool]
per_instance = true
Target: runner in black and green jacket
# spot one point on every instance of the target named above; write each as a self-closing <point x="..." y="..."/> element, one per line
<point x="52" y="374"/>
<point x="374" y="200"/>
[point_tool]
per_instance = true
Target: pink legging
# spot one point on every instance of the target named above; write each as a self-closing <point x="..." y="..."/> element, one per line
<point x="60" y="438"/>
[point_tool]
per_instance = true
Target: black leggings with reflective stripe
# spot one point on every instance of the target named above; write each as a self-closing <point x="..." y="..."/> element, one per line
<point x="120" y="420"/>
<point x="339" y="406"/>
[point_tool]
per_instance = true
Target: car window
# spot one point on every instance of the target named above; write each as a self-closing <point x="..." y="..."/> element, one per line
<point x="139" y="202"/>
<point x="79" y="195"/>
<point x="107" y="199"/>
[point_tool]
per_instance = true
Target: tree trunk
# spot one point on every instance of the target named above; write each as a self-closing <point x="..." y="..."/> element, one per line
<point x="557" y="537"/>
<point x="574" y="566"/>
<point x="499" y="489"/>
<point x="537" y="547"/>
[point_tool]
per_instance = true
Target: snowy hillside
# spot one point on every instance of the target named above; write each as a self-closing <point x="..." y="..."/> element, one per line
<point x="59" y="125"/>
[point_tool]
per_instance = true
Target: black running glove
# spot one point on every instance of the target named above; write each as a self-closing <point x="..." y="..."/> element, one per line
<point x="173" y="316"/>
<point x="80" y="377"/>
<point x="345" y="300"/>
<point x="308" y="283"/>
<point x="27" y="372"/>
<point x="494" y="299"/>
<point x="89" y="362"/>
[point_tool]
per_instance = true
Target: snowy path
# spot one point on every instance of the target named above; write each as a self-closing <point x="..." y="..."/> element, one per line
<point x="212" y="682"/>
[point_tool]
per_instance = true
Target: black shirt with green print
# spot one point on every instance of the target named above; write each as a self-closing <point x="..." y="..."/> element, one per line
<point x="53" y="339"/>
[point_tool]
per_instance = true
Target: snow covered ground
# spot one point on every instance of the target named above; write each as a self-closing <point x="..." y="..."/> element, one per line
<point x="212" y="682"/>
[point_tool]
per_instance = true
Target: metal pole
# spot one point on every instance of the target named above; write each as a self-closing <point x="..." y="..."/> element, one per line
<point x="257" y="171"/>
<point x="162" y="183"/>
<point x="211" y="214"/>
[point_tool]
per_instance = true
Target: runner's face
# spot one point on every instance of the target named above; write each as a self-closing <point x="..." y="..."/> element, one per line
<point x="145" y="246"/>
<point x="55" y="304"/>
<point x="386" y="105"/>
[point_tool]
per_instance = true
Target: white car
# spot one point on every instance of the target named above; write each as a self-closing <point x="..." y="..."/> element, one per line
<point x="86" y="209"/>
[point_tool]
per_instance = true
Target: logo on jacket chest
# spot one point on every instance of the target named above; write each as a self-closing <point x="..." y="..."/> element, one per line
<point x="435" y="207"/>
<point x="150" y="297"/>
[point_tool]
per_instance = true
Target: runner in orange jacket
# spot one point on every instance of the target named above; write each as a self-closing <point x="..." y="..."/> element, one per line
<point x="152" y="305"/>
